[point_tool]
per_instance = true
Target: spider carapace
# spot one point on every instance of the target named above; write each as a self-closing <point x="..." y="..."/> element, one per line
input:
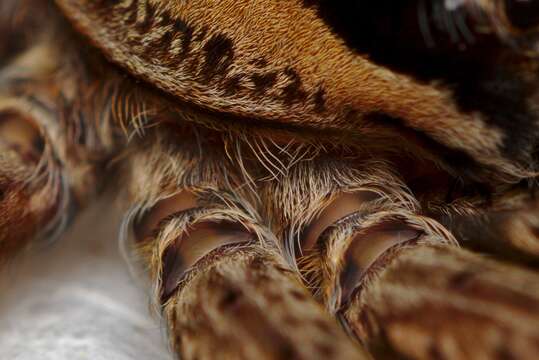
<point x="302" y="179"/>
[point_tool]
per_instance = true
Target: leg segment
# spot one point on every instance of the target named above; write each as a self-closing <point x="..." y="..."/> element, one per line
<point x="397" y="279"/>
<point x="52" y="146"/>
<point x="35" y="195"/>
<point x="397" y="286"/>
<point x="432" y="302"/>
<point x="508" y="231"/>
<point x="24" y="207"/>
<point x="222" y="282"/>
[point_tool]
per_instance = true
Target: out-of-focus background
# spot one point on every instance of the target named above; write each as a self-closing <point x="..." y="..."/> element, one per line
<point x="75" y="299"/>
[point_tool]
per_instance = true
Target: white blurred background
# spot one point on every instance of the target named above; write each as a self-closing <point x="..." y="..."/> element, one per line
<point x="75" y="300"/>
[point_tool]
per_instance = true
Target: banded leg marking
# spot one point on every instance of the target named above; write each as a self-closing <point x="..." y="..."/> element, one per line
<point x="221" y="280"/>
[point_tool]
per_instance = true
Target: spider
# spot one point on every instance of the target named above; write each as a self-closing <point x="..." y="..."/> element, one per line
<point x="302" y="179"/>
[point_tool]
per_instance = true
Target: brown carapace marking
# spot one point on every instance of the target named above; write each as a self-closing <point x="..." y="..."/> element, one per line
<point x="264" y="82"/>
<point x="223" y="55"/>
<point x="219" y="55"/>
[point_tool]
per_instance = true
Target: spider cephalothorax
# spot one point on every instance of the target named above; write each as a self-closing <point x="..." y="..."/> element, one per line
<point x="288" y="164"/>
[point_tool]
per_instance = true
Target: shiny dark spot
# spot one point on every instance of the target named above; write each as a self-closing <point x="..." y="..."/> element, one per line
<point x="230" y="299"/>
<point x="264" y="82"/>
<point x="523" y="14"/>
<point x="219" y="55"/>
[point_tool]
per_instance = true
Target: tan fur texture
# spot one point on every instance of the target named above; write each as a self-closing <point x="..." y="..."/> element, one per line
<point x="247" y="305"/>
<point x="312" y="78"/>
<point x="241" y="301"/>
<point x="427" y="305"/>
<point x="266" y="118"/>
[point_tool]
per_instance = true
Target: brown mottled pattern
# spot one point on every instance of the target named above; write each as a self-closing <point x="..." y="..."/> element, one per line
<point x="17" y="224"/>
<point x="20" y="220"/>
<point x="240" y="301"/>
<point x="429" y="305"/>
<point x="51" y="170"/>
<point x="181" y="46"/>
<point x="411" y="290"/>
<point x="246" y="304"/>
<point x="512" y="229"/>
